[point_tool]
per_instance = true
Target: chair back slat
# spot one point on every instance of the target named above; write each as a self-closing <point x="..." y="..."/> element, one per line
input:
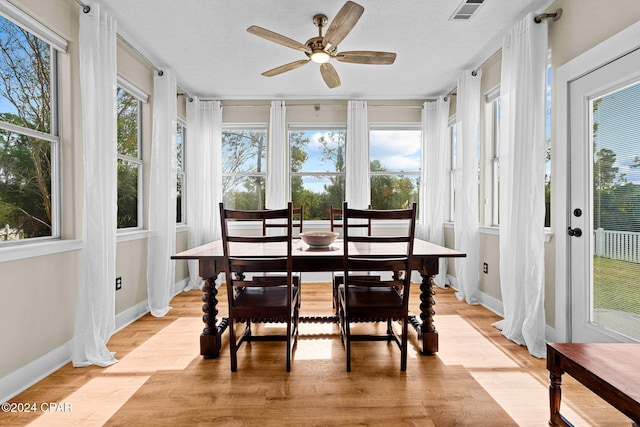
<point x="297" y="221"/>
<point x="336" y="220"/>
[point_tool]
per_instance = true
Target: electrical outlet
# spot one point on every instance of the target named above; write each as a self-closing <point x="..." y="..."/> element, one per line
<point x="118" y="283"/>
<point x="485" y="268"/>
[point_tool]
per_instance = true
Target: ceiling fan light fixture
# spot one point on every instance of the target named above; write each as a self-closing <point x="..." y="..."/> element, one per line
<point x="320" y="57"/>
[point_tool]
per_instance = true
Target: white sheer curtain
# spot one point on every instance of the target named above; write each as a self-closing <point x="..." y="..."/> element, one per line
<point x="203" y="175"/>
<point x="466" y="207"/>
<point x="522" y="171"/>
<point x="434" y="176"/>
<point x="162" y="195"/>
<point x="357" y="186"/>
<point x="277" y="191"/>
<point x="95" y="312"/>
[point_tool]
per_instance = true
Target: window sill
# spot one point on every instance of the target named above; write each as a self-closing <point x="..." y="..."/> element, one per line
<point x="495" y="231"/>
<point x="33" y="250"/>
<point x="129" y="235"/>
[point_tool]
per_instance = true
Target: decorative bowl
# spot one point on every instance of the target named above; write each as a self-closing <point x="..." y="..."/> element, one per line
<point x="318" y="239"/>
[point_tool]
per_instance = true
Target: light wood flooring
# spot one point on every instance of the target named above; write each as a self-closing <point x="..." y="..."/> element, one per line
<point x="478" y="378"/>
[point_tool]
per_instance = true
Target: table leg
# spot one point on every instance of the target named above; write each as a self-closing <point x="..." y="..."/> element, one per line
<point x="211" y="337"/>
<point x="425" y="329"/>
<point x="555" y="396"/>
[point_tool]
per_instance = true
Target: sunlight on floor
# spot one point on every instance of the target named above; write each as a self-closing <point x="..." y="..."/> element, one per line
<point x="498" y="374"/>
<point x="102" y="397"/>
<point x="173" y="349"/>
<point x="152" y="355"/>
<point x="94" y="403"/>
<point x="315" y="341"/>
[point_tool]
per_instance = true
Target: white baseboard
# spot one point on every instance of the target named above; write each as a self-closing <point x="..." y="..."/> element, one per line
<point x="38" y="369"/>
<point x="490" y="303"/>
<point x="131" y="314"/>
<point x="26" y="376"/>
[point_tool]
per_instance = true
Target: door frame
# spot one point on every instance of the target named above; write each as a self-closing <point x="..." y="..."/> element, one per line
<point x="608" y="51"/>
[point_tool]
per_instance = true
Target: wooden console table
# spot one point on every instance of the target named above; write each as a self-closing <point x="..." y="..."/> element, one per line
<point x="612" y="371"/>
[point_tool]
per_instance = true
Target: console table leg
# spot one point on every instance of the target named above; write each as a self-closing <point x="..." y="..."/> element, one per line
<point x="555" y="396"/>
<point x="211" y="337"/>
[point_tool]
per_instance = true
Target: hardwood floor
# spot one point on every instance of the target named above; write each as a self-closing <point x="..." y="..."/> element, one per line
<point x="478" y="378"/>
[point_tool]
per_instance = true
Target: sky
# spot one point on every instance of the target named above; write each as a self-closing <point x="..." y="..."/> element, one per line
<point x="618" y="118"/>
<point x="397" y="150"/>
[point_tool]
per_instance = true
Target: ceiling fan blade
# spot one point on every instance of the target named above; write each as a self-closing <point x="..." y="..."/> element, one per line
<point x="284" y="68"/>
<point x="343" y="23"/>
<point x="329" y="75"/>
<point x="366" y="57"/>
<point x="277" y="38"/>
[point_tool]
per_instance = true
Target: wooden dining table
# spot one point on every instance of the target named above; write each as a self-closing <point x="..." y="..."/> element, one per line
<point x="210" y="258"/>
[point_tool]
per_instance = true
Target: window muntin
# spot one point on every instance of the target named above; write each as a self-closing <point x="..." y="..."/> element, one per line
<point x="181" y="134"/>
<point x="29" y="143"/>
<point x="128" y="110"/>
<point x="244" y="155"/>
<point x="395" y="164"/>
<point x="317" y="169"/>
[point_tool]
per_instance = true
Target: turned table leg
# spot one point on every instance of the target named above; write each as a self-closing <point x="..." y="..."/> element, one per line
<point x="425" y="328"/>
<point x="555" y="396"/>
<point x="211" y="337"/>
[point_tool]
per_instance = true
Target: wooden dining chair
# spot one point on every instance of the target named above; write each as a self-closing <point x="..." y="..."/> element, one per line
<point x="254" y="295"/>
<point x="377" y="299"/>
<point x="336" y="223"/>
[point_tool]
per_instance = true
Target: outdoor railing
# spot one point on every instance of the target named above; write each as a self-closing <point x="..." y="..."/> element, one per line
<point x="617" y="245"/>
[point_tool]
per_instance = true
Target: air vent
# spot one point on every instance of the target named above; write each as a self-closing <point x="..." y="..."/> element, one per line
<point x="466" y="10"/>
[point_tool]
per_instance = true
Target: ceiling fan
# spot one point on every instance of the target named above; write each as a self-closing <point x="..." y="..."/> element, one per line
<point x="322" y="49"/>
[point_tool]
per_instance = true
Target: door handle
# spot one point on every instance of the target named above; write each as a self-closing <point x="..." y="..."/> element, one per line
<point x="574" y="232"/>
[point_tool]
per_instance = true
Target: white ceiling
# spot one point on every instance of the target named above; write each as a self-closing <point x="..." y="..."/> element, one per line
<point x="206" y="44"/>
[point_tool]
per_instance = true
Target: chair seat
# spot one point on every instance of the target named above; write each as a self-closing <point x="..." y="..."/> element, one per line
<point x="367" y="302"/>
<point x="269" y="299"/>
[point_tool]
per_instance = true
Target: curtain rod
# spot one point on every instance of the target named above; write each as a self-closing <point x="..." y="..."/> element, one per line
<point x="86" y="9"/>
<point x="320" y="105"/>
<point x="554" y="16"/>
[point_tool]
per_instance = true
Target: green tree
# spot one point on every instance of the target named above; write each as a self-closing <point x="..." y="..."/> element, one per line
<point x="243" y="157"/>
<point x="25" y="161"/>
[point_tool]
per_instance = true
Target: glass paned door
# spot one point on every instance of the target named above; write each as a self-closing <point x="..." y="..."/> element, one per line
<point x="605" y="203"/>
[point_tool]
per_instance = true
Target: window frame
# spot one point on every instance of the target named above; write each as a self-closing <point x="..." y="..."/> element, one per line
<point x="181" y="173"/>
<point x="137" y="161"/>
<point x="400" y="174"/>
<point x="248" y="127"/>
<point x="342" y="127"/>
<point x="492" y="101"/>
<point x="452" y="128"/>
<point x="56" y="44"/>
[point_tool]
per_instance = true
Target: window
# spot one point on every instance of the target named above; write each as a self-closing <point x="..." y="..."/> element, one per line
<point x="29" y="143"/>
<point x="451" y="140"/>
<point x="181" y="133"/>
<point x="395" y="160"/>
<point x="128" y="108"/>
<point x="317" y="169"/>
<point x="493" y="125"/>
<point x="244" y="153"/>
